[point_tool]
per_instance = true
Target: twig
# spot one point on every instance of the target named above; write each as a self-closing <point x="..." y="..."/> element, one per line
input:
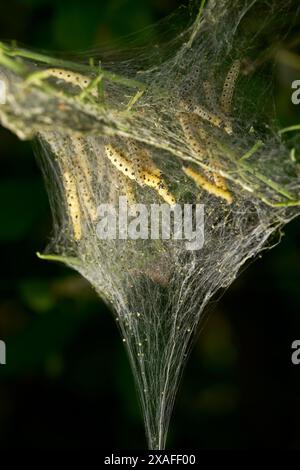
<point x="113" y="77"/>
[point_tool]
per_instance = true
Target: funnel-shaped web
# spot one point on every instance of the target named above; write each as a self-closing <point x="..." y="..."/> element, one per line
<point x="187" y="121"/>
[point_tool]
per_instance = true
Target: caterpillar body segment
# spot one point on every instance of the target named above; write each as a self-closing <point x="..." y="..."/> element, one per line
<point x="188" y="123"/>
<point x="85" y="188"/>
<point x="73" y="204"/>
<point x="208" y="186"/>
<point x="148" y="173"/>
<point x="119" y="160"/>
<point x="80" y="152"/>
<point x="208" y="116"/>
<point x="143" y="176"/>
<point x="210" y="95"/>
<point x="229" y="86"/>
<point x="141" y="157"/>
<point x="72" y="78"/>
<point x="218" y="179"/>
<point x="157" y="183"/>
<point x="215" y="119"/>
<point x="211" y="101"/>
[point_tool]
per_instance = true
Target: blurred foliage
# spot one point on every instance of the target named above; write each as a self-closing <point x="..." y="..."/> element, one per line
<point x="67" y="382"/>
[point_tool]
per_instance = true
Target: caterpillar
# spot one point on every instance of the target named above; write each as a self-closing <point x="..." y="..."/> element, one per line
<point x="229" y="86"/>
<point x="190" y="134"/>
<point x="147" y="172"/>
<point x="158" y="184"/>
<point x="218" y="179"/>
<point x="83" y="191"/>
<point x="78" y="145"/>
<point x="214" y="119"/>
<point x="119" y="160"/>
<point x="187" y="124"/>
<point x="73" y="204"/>
<point x="86" y="196"/>
<point x="80" y="150"/>
<point x="125" y="168"/>
<point x="212" y="104"/>
<point x="73" y="78"/>
<point x="142" y="176"/>
<point x="209" y="95"/>
<point x="141" y="158"/>
<point x="204" y="183"/>
<point x="208" y="116"/>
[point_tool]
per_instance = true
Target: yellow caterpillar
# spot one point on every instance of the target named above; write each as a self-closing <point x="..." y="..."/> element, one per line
<point x="141" y="158"/>
<point x="141" y="175"/>
<point x="73" y="203"/>
<point x="208" y="116"/>
<point x="73" y="78"/>
<point x="214" y="119"/>
<point x="204" y="183"/>
<point x="119" y="160"/>
<point x="84" y="176"/>
<point x="80" y="151"/>
<point x="218" y="179"/>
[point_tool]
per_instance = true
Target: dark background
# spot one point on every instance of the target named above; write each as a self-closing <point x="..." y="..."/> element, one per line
<point x="67" y="382"/>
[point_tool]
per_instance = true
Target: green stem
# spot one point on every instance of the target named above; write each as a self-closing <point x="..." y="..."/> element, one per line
<point x="134" y="99"/>
<point x="196" y="24"/>
<point x="293" y="155"/>
<point x="61" y="259"/>
<point x="113" y="77"/>
<point x="280" y="204"/>
<point x="11" y="64"/>
<point x="290" y="129"/>
<point x="94" y="83"/>
<point x="250" y="152"/>
<point x="255" y="173"/>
